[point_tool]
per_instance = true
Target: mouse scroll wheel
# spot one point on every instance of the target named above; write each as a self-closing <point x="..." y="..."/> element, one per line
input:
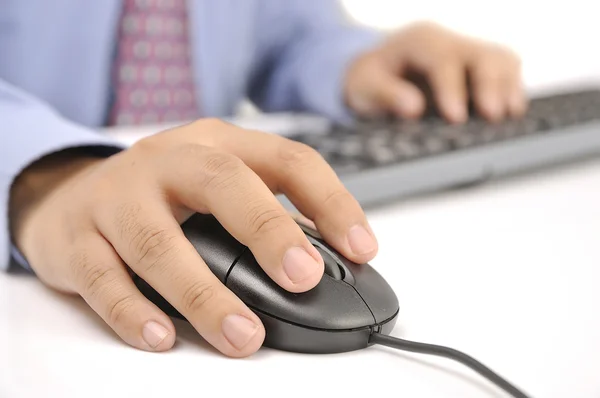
<point x="331" y="266"/>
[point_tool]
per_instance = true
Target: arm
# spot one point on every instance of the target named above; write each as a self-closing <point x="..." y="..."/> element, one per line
<point x="304" y="48"/>
<point x="30" y="130"/>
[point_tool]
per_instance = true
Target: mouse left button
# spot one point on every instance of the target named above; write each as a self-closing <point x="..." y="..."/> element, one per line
<point x="216" y="246"/>
<point x="331" y="266"/>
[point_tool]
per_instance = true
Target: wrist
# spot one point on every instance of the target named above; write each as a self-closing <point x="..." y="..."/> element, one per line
<point x="37" y="182"/>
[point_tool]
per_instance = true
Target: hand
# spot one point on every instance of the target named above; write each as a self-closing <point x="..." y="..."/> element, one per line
<point x="385" y="80"/>
<point x="79" y="222"/>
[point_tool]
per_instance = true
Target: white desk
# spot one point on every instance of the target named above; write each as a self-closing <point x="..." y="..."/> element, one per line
<point x="507" y="272"/>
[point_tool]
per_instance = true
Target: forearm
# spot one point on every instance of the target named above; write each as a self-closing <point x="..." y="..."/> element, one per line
<point x="38" y="181"/>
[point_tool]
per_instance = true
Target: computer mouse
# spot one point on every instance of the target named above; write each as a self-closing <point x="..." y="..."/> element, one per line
<point x="350" y="302"/>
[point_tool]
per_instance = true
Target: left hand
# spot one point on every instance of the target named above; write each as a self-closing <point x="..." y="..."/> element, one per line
<point x="455" y="68"/>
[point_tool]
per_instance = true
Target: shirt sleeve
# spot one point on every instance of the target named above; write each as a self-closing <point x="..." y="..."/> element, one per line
<point x="304" y="48"/>
<point x="30" y="130"/>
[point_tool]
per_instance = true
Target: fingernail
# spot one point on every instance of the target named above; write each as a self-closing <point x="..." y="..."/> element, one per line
<point x="154" y="333"/>
<point x="238" y="330"/>
<point x="299" y="265"/>
<point x="360" y="240"/>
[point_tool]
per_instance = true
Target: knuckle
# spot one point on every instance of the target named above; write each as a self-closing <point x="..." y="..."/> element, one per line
<point x="149" y="144"/>
<point x="340" y="200"/>
<point x="209" y="128"/>
<point x="190" y="151"/>
<point x="423" y="30"/>
<point x="119" y="307"/>
<point x="220" y="170"/>
<point x="489" y="70"/>
<point x="446" y="59"/>
<point x="90" y="276"/>
<point x="154" y="247"/>
<point x="126" y="217"/>
<point x="78" y="260"/>
<point x="262" y="219"/>
<point x="496" y="63"/>
<point x="296" y="155"/>
<point x="210" y="123"/>
<point x="197" y="296"/>
<point x="95" y="277"/>
<point x="337" y="199"/>
<point x="151" y="245"/>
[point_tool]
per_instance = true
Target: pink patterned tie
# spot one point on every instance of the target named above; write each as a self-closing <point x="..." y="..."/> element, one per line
<point x="153" y="80"/>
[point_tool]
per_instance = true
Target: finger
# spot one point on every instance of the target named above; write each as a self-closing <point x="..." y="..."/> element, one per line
<point x="151" y="242"/>
<point x="517" y="99"/>
<point x="517" y="102"/>
<point x="388" y="93"/>
<point x="246" y="207"/>
<point x="100" y="277"/>
<point x="491" y="88"/>
<point x="310" y="183"/>
<point x="448" y="83"/>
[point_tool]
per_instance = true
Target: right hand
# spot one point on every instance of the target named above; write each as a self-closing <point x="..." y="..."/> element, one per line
<point x="79" y="222"/>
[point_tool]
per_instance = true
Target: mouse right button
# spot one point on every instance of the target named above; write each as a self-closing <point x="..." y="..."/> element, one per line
<point x="332" y="304"/>
<point x="374" y="290"/>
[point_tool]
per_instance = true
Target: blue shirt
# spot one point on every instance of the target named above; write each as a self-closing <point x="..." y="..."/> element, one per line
<point x="56" y="58"/>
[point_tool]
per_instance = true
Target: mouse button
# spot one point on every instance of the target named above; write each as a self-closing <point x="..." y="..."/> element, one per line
<point x="332" y="304"/>
<point x="331" y="257"/>
<point x="375" y="291"/>
<point x="332" y="268"/>
<point x="216" y="246"/>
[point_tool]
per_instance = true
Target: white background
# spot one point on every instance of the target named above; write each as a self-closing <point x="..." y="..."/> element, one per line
<point x="557" y="40"/>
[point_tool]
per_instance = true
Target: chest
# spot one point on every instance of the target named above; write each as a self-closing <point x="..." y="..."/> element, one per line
<point x="62" y="51"/>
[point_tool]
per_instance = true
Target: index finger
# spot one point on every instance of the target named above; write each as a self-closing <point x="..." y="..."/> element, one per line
<point x="310" y="183"/>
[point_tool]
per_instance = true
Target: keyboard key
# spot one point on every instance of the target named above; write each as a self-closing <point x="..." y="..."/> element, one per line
<point x="411" y="129"/>
<point x="464" y="141"/>
<point x="376" y="143"/>
<point x="380" y="152"/>
<point x="406" y="149"/>
<point x="435" y="144"/>
<point x="346" y="166"/>
<point x="351" y="147"/>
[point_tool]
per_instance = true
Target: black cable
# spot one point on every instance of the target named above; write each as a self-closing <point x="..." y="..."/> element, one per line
<point x="451" y="353"/>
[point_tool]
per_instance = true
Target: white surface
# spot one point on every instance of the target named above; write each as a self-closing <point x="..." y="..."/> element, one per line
<point x="507" y="272"/>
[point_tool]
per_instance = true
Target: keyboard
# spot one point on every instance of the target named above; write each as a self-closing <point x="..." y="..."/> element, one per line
<point x="384" y="160"/>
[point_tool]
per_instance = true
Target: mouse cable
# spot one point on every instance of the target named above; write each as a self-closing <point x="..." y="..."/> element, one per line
<point x="451" y="353"/>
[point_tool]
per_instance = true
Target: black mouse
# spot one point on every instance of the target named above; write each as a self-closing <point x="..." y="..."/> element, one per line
<point x="351" y="301"/>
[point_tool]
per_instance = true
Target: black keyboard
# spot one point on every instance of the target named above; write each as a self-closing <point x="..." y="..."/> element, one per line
<point x="380" y="160"/>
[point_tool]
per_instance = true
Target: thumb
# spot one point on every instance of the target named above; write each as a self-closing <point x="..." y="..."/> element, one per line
<point x="384" y="92"/>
